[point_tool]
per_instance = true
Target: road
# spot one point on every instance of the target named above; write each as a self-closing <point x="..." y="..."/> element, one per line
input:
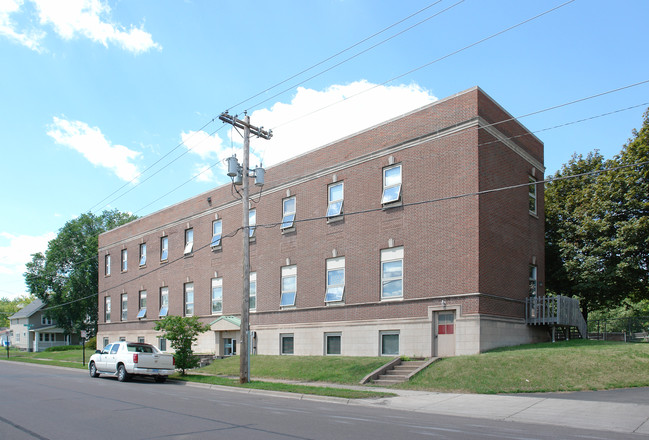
<point x="49" y="403"/>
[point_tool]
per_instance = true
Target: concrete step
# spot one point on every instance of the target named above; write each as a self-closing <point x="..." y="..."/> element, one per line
<point x="385" y="382"/>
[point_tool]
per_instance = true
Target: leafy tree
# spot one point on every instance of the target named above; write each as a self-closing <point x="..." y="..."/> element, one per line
<point x="182" y="332"/>
<point x="9" y="307"/>
<point x="65" y="278"/>
<point x="597" y="227"/>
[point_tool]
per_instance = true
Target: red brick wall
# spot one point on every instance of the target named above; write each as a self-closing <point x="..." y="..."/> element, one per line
<point x="455" y="246"/>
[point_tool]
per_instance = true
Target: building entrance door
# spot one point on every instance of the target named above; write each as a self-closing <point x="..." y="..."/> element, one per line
<point x="445" y="334"/>
<point x="229" y="347"/>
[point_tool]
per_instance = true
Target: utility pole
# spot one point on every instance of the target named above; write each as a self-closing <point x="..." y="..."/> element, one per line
<point x="241" y="174"/>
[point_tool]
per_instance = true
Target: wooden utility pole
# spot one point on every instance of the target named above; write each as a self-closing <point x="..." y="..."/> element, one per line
<point x="244" y="346"/>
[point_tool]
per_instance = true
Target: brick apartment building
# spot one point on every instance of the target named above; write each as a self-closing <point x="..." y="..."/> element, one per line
<point x="386" y="242"/>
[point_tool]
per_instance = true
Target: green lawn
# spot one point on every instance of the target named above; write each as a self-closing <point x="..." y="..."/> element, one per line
<point x="333" y="369"/>
<point x="560" y="366"/>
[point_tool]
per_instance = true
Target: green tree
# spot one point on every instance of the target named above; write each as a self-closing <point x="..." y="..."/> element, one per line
<point x="597" y="227"/>
<point x="182" y="332"/>
<point x="9" y="307"/>
<point x="66" y="276"/>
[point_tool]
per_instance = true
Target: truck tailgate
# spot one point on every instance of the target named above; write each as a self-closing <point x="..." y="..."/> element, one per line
<point x="155" y="360"/>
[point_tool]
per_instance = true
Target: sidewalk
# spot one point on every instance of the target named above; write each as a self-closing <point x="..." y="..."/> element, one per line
<point x="598" y="415"/>
<point x="574" y="413"/>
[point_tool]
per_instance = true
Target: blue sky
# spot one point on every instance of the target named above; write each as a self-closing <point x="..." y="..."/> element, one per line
<point x="92" y="93"/>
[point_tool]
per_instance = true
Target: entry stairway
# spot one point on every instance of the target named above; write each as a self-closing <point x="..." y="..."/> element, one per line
<point x="397" y="371"/>
<point x="559" y="313"/>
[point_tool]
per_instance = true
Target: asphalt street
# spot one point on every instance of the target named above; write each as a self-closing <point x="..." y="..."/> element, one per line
<point x="49" y="403"/>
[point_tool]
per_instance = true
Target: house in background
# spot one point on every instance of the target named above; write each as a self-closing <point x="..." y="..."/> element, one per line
<point x="421" y="236"/>
<point x="31" y="330"/>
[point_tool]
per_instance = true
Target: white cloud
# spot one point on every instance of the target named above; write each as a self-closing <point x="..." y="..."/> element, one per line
<point x="202" y="144"/>
<point x="15" y="252"/>
<point x="93" y="145"/>
<point x="312" y="119"/>
<point x="72" y="18"/>
<point x="204" y="172"/>
<point x="315" y="118"/>
<point x="31" y="38"/>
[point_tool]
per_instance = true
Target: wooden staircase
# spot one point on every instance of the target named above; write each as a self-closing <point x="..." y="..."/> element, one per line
<point x="558" y="313"/>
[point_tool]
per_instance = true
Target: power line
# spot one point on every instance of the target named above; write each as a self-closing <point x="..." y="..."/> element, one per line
<point x="148" y="168"/>
<point x="427" y="64"/>
<point x="486" y="126"/>
<point x="338" y="53"/>
<point x="162" y="168"/>
<point x="272" y="87"/>
<point x="354" y="56"/>
<point x="367" y="211"/>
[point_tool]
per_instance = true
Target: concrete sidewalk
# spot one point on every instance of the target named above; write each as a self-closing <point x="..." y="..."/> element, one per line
<point x="587" y="414"/>
<point x="585" y="411"/>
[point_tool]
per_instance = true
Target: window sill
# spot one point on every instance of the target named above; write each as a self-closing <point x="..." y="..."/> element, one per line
<point x="164" y="261"/>
<point x="290" y="230"/>
<point x="336" y="219"/>
<point x="216" y="248"/>
<point x="334" y="303"/>
<point x="390" y="205"/>
<point x="252" y="239"/>
<point x="534" y="214"/>
<point x="190" y="255"/>
<point x="142" y="266"/>
<point x="396" y="298"/>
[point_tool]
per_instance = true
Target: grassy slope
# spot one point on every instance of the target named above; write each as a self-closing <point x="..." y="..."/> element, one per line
<point x="334" y="369"/>
<point x="562" y="366"/>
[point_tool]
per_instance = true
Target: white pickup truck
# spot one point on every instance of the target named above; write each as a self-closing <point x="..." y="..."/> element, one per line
<point x="126" y="359"/>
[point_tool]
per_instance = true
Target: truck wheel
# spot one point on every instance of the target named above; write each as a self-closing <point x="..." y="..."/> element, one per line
<point x="122" y="375"/>
<point x="161" y="379"/>
<point x="92" y="368"/>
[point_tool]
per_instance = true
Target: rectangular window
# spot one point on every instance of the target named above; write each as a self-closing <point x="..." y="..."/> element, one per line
<point x="389" y="343"/>
<point x="189" y="299"/>
<point x="163" y="344"/>
<point x="124" y="307"/>
<point x="253" y="291"/>
<point x="164" y="301"/>
<point x="335" y="279"/>
<point x="286" y="343"/>
<point x="288" y="213"/>
<point x="142" y="312"/>
<point x="217" y="230"/>
<point x="164" y="248"/>
<point x="533" y="281"/>
<point x="532" y="196"/>
<point x="142" y="254"/>
<point x="107" y="265"/>
<point x="445" y="324"/>
<point x="189" y="241"/>
<point x="333" y="343"/>
<point x="140" y="339"/>
<point x="335" y="199"/>
<point x="107" y="309"/>
<point x="391" y="184"/>
<point x="392" y="273"/>
<point x="217" y="295"/>
<point x="252" y="222"/>
<point x="124" y="260"/>
<point x="106" y="341"/>
<point x="289" y="286"/>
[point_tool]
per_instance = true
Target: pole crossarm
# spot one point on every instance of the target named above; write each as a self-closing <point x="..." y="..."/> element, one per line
<point x="236" y="122"/>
